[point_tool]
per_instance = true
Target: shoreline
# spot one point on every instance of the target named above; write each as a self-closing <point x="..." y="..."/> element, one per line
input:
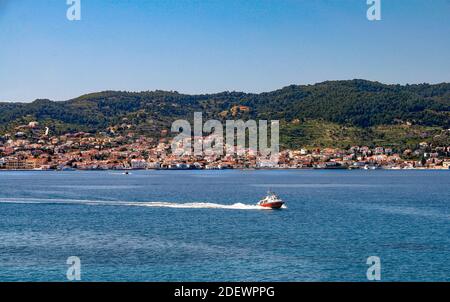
<point x="237" y="169"/>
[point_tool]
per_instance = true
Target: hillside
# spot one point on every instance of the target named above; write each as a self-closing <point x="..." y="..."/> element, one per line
<point x="334" y="113"/>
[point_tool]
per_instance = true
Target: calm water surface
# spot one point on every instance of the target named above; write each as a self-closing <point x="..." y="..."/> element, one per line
<point x="202" y="225"/>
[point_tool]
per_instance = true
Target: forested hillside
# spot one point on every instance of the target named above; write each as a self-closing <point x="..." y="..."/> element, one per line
<point x="351" y="111"/>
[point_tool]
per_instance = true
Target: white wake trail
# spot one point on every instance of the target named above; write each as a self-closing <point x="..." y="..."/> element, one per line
<point x="200" y="205"/>
<point x="190" y="205"/>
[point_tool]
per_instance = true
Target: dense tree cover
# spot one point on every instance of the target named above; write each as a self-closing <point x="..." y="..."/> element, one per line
<point x="355" y="103"/>
<point x="359" y="103"/>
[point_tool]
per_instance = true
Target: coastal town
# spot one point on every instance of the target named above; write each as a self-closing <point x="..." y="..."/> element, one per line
<point x="32" y="147"/>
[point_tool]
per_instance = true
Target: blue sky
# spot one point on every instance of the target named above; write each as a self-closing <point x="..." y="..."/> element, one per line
<point x="205" y="46"/>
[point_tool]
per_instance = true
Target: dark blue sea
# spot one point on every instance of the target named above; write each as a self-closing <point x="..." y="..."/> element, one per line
<point x="203" y="225"/>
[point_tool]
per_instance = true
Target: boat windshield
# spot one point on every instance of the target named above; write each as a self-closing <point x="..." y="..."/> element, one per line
<point x="272" y="196"/>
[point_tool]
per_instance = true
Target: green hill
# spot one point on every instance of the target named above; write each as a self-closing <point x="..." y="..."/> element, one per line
<point x="334" y="113"/>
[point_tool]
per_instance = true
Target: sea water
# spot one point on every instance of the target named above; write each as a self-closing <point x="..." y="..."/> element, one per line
<point x="205" y="226"/>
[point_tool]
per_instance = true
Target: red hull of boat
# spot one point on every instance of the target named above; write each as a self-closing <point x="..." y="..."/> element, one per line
<point x="273" y="205"/>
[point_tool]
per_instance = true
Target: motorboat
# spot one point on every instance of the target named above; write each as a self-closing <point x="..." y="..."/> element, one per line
<point x="271" y="201"/>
